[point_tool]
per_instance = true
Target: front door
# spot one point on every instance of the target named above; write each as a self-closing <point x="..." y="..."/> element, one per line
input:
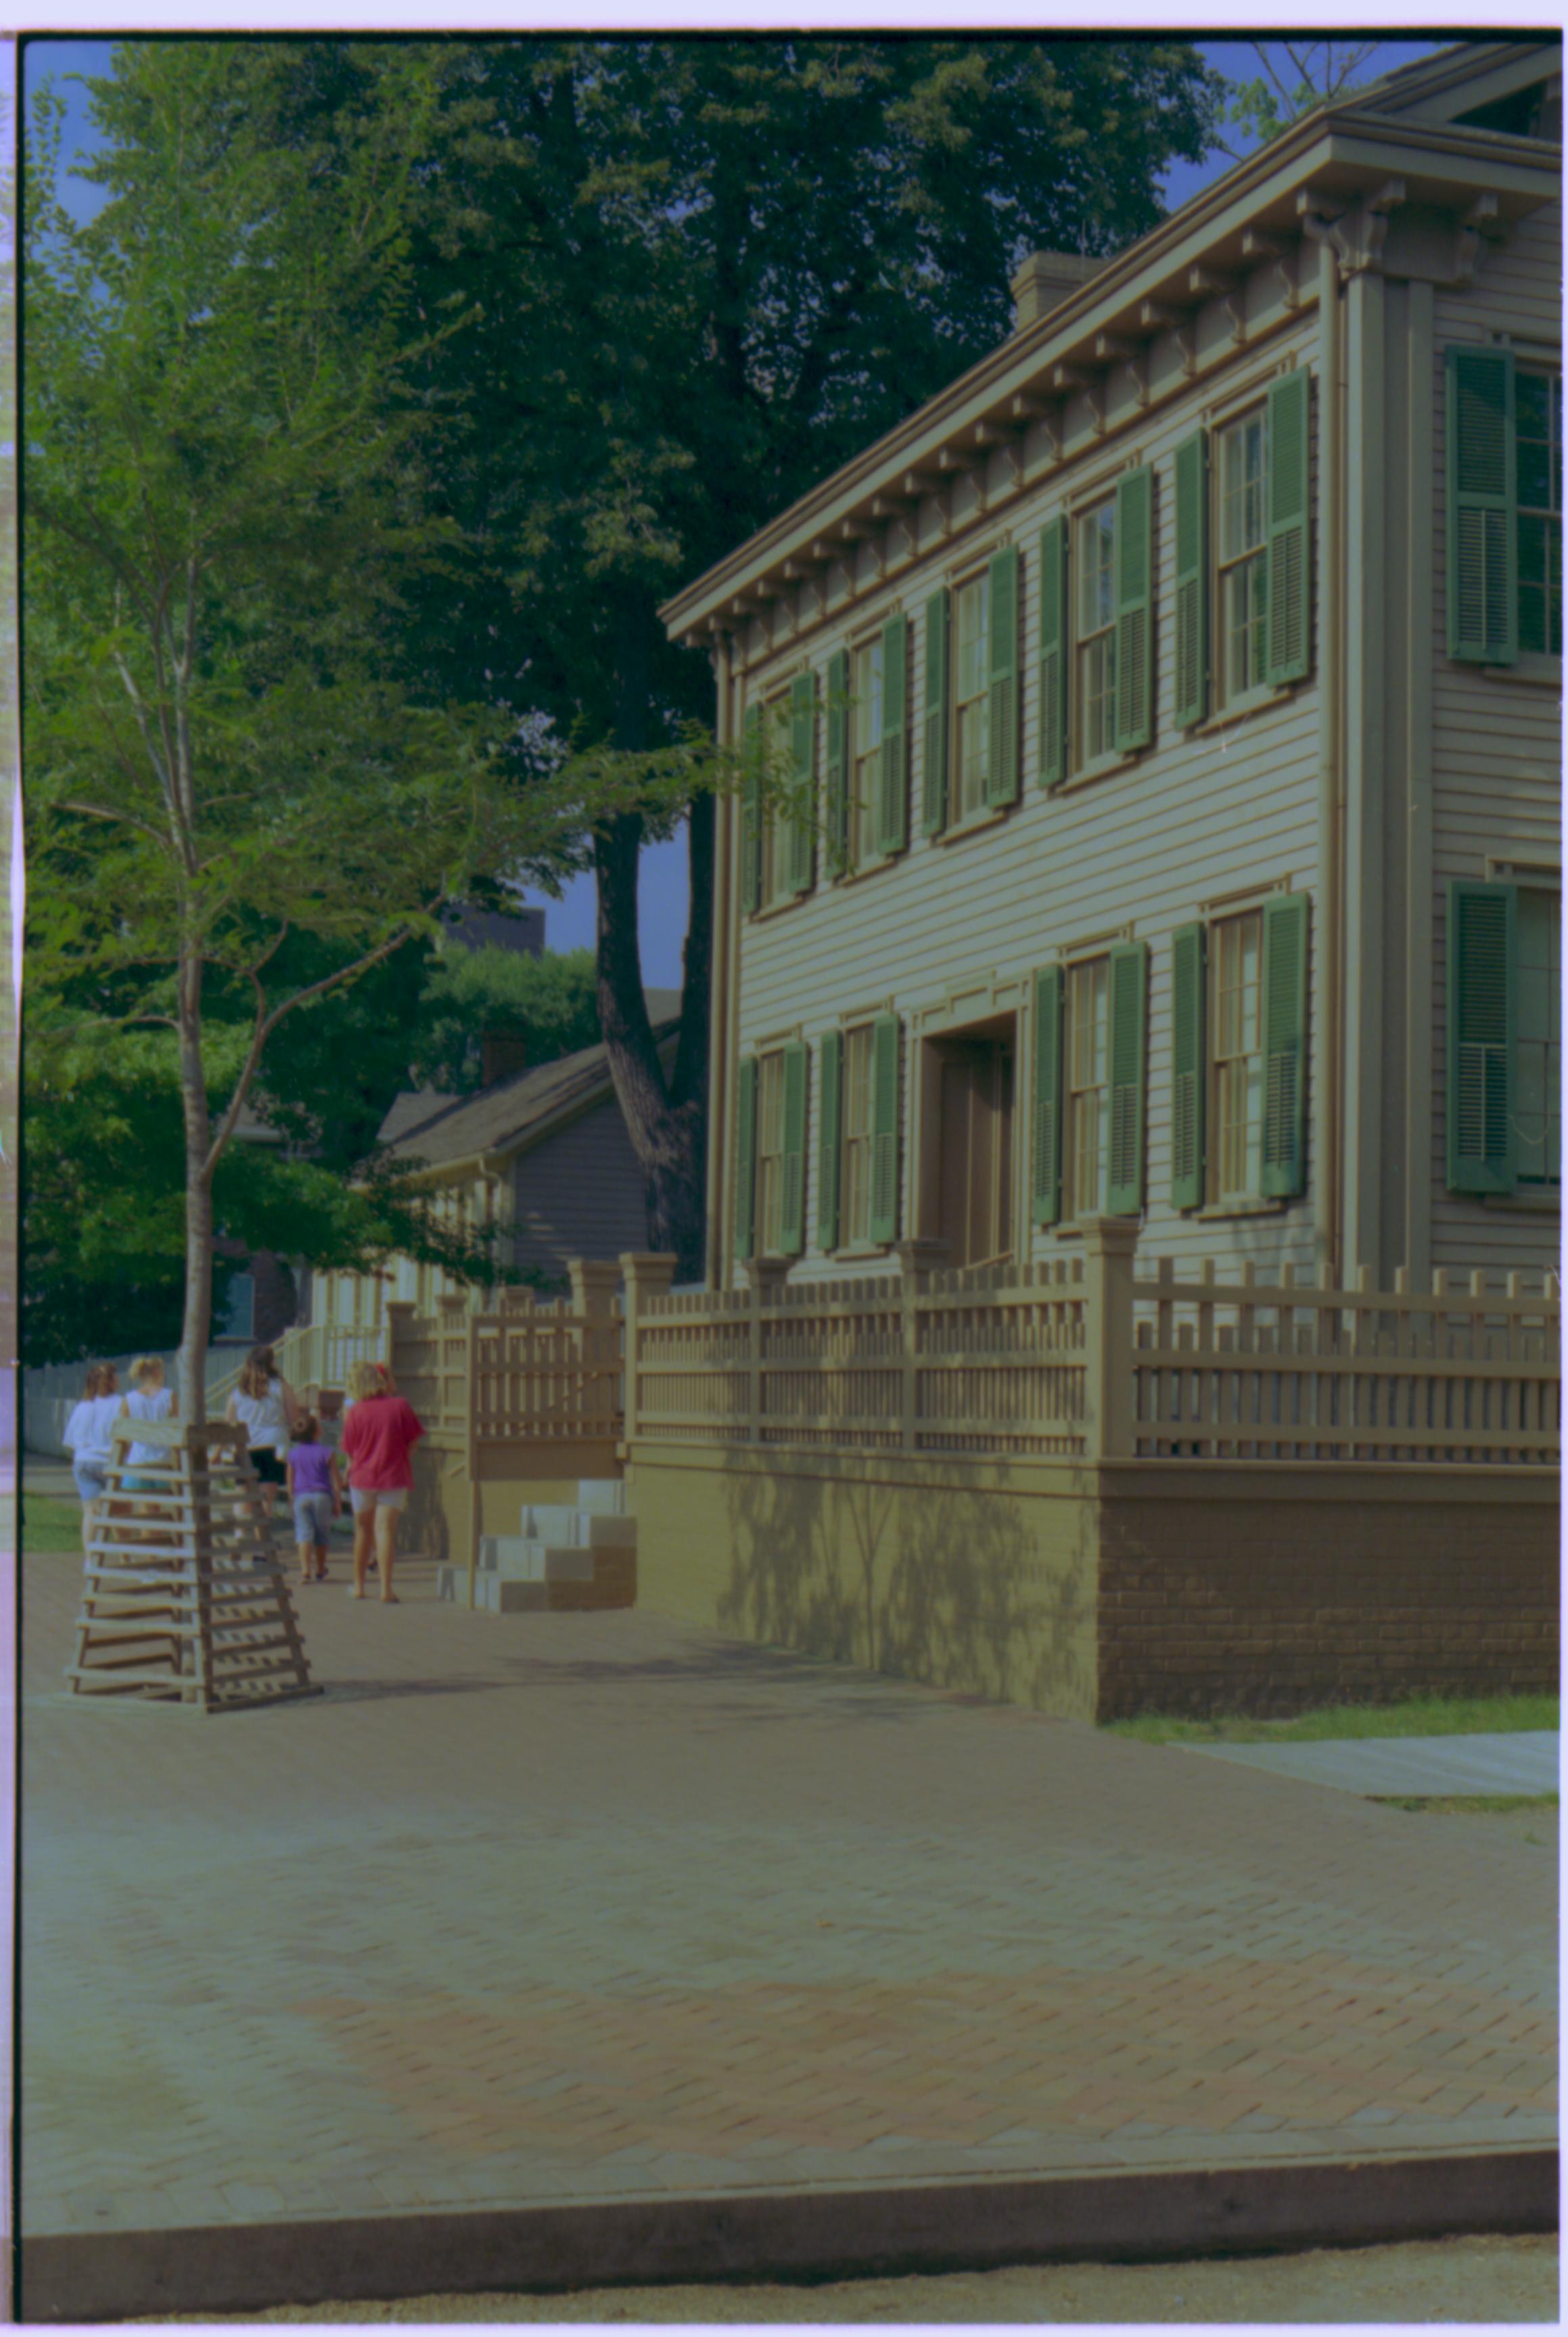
<point x="975" y="1092"/>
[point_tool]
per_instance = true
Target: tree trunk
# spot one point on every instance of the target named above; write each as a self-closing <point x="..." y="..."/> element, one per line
<point x="666" y="1119"/>
<point x="666" y="1124"/>
<point x="196" y="1327"/>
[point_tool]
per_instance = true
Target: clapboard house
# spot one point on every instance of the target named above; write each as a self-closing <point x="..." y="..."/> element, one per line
<point x="1177" y="699"/>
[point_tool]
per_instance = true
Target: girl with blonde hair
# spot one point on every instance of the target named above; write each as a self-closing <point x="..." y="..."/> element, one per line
<point x="86" y="1439"/>
<point x="266" y="1407"/>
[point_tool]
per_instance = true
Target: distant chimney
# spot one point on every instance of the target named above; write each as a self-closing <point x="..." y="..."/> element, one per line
<point x="1045" y="280"/>
<point x="500" y="1059"/>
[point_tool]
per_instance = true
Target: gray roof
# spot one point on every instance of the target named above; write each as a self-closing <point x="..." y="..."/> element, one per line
<point x="435" y="1129"/>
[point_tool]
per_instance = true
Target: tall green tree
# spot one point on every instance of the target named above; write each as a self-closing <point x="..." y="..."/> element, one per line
<point x="227" y="445"/>
<point x="697" y="275"/>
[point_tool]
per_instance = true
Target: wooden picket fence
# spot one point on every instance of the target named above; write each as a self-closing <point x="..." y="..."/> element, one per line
<point x="1288" y="1371"/>
<point x="1078" y="1359"/>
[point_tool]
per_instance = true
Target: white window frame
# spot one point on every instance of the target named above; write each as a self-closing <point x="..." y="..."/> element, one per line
<point x="1236" y="1059"/>
<point x="866" y="687"/>
<point x="1550" y="1044"/>
<point x="857" y="1130"/>
<point x="1245" y="564"/>
<point x="768" y="1203"/>
<point x="1094" y="632"/>
<point x="971" y="716"/>
<point x="1548" y="516"/>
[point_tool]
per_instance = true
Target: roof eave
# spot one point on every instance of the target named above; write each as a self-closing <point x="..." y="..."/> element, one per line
<point x="1339" y="156"/>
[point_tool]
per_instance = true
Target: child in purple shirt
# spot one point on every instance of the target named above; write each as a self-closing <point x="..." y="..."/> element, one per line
<point x="316" y="1494"/>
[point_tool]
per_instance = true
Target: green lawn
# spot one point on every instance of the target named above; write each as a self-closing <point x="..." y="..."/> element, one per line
<point x="50" y="1524"/>
<point x="1416" y="1715"/>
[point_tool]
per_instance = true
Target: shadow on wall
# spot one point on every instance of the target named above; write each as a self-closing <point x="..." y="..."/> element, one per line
<point x="962" y="1586"/>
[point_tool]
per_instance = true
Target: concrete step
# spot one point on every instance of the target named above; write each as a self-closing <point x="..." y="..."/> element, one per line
<point x="604" y="1497"/>
<point x="524" y="1560"/>
<point x="569" y="1529"/>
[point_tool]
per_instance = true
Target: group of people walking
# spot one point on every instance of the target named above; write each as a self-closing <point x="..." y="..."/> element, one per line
<point x="380" y="1430"/>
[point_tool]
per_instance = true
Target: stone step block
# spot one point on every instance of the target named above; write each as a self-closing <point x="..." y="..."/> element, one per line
<point x="603" y="1497"/>
<point x="565" y="1528"/>
<point x="524" y="1558"/>
<point x="613" y="1584"/>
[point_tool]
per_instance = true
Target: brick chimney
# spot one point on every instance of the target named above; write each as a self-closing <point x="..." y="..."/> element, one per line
<point x="1045" y="280"/>
<point x="500" y="1059"/>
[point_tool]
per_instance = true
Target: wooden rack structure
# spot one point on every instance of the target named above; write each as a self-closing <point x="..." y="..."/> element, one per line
<point x="183" y="1598"/>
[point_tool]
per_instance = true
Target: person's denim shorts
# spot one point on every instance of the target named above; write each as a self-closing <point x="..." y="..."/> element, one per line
<point x="312" y="1517"/>
<point x="90" y="1480"/>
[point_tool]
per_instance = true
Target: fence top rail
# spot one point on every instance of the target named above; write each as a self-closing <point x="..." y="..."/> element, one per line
<point x="1286" y="1292"/>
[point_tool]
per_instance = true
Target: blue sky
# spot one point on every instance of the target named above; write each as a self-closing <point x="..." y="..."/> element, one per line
<point x="569" y="923"/>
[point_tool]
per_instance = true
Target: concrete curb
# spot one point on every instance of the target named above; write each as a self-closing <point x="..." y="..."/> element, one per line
<point x="787" y="2235"/>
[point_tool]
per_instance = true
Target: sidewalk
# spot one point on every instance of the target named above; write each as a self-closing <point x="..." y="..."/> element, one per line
<point x="1526" y="1762"/>
<point x="566" y="1909"/>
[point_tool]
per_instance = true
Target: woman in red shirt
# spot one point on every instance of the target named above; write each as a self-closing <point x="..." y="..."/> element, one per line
<point x="379" y="1437"/>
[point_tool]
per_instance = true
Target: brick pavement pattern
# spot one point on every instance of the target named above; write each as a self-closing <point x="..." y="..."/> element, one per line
<point x="579" y="1906"/>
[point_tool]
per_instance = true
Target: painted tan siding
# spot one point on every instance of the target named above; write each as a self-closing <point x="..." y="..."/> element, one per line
<point x="1496" y="739"/>
<point x="1195" y="816"/>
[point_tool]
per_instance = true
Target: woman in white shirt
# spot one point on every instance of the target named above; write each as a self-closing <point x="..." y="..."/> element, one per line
<point x="266" y="1407"/>
<point x="87" y="1438"/>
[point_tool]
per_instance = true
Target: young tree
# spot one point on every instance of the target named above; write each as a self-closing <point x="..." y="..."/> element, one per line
<point x="700" y="275"/>
<point x="227" y="453"/>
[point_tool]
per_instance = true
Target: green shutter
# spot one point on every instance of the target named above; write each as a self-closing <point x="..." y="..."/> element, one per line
<point x="799" y="826"/>
<point x="1482" y="497"/>
<point x="751" y="813"/>
<point x="1002" y="754"/>
<point x="1135" y="609"/>
<point x="1189" y="1067"/>
<point x="1290" y="617"/>
<point x="1192" y="581"/>
<point x="884" y="1195"/>
<point x="1129" y="992"/>
<point x="1045" y="1103"/>
<point x="793" y="1198"/>
<point x="1284" y="1021"/>
<point x="745" y="1156"/>
<point x="934" y="796"/>
<point x="1483" y="1011"/>
<point x="838" y="762"/>
<point x="893" y="800"/>
<point x="830" y="1106"/>
<point x="1053" y="660"/>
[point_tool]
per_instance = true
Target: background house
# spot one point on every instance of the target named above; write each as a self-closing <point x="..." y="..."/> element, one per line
<point x="544" y="1152"/>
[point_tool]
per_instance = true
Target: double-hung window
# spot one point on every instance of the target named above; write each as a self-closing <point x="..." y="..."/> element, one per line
<point x="1504" y="517"/>
<point x="1089" y="1036"/>
<point x="971" y="695"/>
<point x="1087" y="1087"/>
<point x="778" y="796"/>
<point x="1239" y="1057"/>
<point x="1504" y="1050"/>
<point x="1242" y="565"/>
<point x="1236" y="1052"/>
<point x="858" y="1135"/>
<point x="859" y="1129"/>
<point x="1094" y="631"/>
<point x="865" y="796"/>
<point x="1538" y="400"/>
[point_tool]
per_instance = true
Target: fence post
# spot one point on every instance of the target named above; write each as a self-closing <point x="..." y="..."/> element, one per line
<point x="1109" y="1244"/>
<point x="648" y="1273"/>
<point x="594" y="1281"/>
<point x="917" y="1255"/>
<point x="399" y="1318"/>
<point x="765" y="1276"/>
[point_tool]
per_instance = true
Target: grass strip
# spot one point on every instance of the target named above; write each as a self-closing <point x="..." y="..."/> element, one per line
<point x="1466" y="1805"/>
<point x="1414" y="1716"/>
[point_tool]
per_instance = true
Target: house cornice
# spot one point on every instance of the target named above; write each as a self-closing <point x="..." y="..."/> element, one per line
<point x="1345" y="168"/>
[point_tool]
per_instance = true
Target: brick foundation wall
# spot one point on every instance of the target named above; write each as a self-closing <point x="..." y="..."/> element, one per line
<point x="1228" y="1590"/>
